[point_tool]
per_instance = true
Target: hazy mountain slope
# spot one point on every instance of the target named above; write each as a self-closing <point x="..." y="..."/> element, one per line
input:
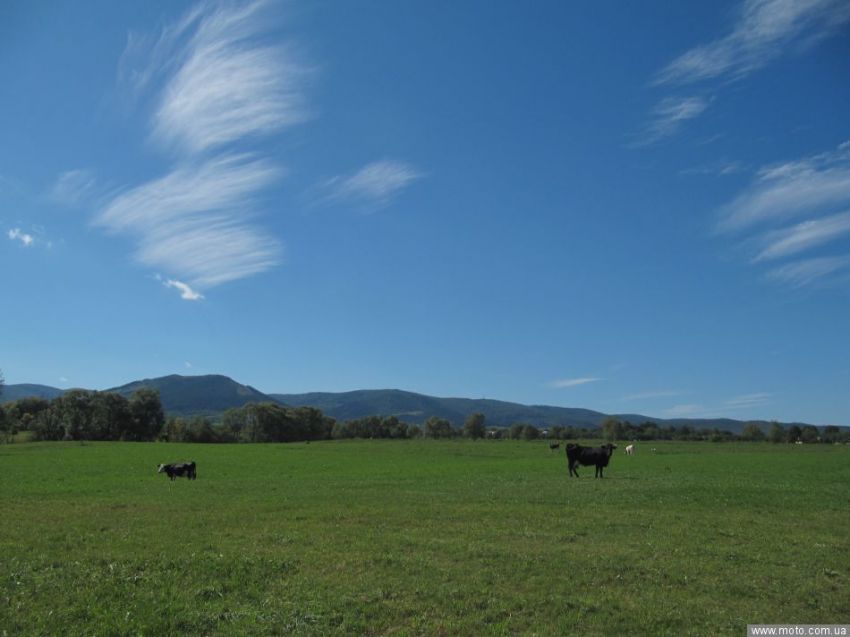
<point x="25" y="390"/>
<point x="185" y="395"/>
<point x="213" y="394"/>
<point x="416" y="408"/>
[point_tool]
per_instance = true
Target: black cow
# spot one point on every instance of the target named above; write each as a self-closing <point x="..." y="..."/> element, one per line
<point x="554" y="445"/>
<point x="576" y="455"/>
<point x="179" y="469"/>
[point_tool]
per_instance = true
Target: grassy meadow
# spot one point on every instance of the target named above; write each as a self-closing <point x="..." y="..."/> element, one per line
<point x="421" y="538"/>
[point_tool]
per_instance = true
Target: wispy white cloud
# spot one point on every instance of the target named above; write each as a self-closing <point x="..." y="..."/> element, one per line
<point x="805" y="186"/>
<point x="73" y="187"/>
<point x="688" y="410"/>
<point x="373" y="186"/>
<point x="718" y="168"/>
<point x="804" y="236"/>
<point x="16" y="234"/>
<point x="215" y="85"/>
<point x="573" y="382"/>
<point x="815" y="187"/>
<point x="803" y="273"/>
<point x="148" y="57"/>
<point x="228" y="85"/>
<point x="748" y="401"/>
<point x="186" y="292"/>
<point x="727" y="408"/>
<point x="217" y="185"/>
<point x="669" y="115"/>
<point x="193" y="220"/>
<point x="763" y="31"/>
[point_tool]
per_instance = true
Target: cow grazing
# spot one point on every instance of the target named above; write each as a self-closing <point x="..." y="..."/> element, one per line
<point x="179" y="470"/>
<point x="599" y="456"/>
<point x="630" y="450"/>
<point x="554" y="445"/>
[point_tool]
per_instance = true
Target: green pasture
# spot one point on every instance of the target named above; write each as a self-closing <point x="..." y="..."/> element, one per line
<point x="421" y="538"/>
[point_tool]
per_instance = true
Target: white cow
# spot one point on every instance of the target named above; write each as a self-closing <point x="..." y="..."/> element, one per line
<point x="630" y="450"/>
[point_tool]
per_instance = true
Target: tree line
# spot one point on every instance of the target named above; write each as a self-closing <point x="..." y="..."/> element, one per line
<point x="91" y="415"/>
<point x="80" y="414"/>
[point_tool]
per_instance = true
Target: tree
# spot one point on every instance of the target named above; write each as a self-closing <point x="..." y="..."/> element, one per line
<point x="810" y="434"/>
<point x="752" y="432"/>
<point x="647" y="430"/>
<point x="474" y="426"/>
<point x="612" y="429"/>
<point x="232" y="422"/>
<point x="146" y="415"/>
<point x="570" y="433"/>
<point x="777" y="432"/>
<point x="794" y="433"/>
<point x="271" y="422"/>
<point x="516" y="431"/>
<point x="308" y="423"/>
<point x="199" y="429"/>
<point x="436" y="427"/>
<point x="48" y="426"/>
<point x="110" y="417"/>
<point x="530" y="432"/>
<point x="5" y="426"/>
<point x="264" y="422"/>
<point x="831" y="433"/>
<point x="20" y="415"/>
<point x="73" y="413"/>
<point x="395" y="428"/>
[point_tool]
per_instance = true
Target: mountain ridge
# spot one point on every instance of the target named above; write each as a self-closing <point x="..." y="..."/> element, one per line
<point x="25" y="390"/>
<point x="212" y="394"/>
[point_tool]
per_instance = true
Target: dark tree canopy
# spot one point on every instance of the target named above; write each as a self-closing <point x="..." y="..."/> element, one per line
<point x="79" y="414"/>
<point x="436" y="427"/>
<point x="474" y="426"/>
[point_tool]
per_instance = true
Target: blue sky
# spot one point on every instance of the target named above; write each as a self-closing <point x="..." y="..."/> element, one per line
<point x="625" y="208"/>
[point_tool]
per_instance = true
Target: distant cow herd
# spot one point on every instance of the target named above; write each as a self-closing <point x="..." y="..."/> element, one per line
<point x="576" y="455"/>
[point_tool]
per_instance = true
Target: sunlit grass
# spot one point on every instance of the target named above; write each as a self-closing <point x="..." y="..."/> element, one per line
<point x="420" y="538"/>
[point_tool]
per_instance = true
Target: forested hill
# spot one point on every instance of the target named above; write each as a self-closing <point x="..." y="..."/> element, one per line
<point x="197" y="395"/>
<point x="213" y="394"/>
<point x="25" y="390"/>
<point x="416" y="408"/>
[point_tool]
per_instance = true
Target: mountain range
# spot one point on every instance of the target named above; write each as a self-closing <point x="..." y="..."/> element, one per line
<point x="213" y="394"/>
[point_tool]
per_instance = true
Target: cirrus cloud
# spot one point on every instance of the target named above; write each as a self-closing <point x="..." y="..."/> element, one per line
<point x="216" y="87"/>
<point x="371" y="187"/>
<point x="573" y="382"/>
<point x="762" y="32"/>
<point x="816" y="188"/>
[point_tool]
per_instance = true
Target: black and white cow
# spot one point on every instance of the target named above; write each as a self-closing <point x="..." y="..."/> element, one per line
<point x="179" y="469"/>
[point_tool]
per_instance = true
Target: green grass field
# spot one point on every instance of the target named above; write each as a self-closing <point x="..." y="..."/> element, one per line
<point x="420" y="538"/>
